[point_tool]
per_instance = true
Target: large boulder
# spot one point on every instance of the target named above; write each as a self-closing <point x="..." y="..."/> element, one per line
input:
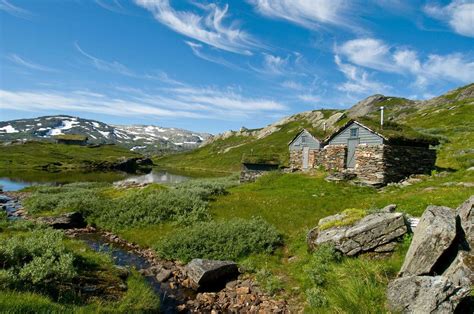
<point x="466" y="217"/>
<point x="210" y="275"/>
<point x="65" y="221"/>
<point x="425" y="294"/>
<point x="461" y="270"/>
<point x="374" y="232"/>
<point x="433" y="236"/>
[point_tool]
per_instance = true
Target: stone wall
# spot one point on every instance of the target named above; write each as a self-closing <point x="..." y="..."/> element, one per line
<point x="250" y="172"/>
<point x="333" y="157"/>
<point x="403" y="161"/>
<point x="370" y="164"/>
<point x="296" y="159"/>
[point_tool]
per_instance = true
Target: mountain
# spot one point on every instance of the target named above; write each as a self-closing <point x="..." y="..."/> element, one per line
<point x="139" y="138"/>
<point x="448" y="117"/>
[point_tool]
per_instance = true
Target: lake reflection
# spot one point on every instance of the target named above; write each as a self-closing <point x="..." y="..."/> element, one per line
<point x="157" y="176"/>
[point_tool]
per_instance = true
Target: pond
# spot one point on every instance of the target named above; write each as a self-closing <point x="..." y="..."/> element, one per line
<point x="17" y="180"/>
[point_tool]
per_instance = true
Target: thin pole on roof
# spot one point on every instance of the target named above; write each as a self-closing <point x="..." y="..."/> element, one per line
<point x="381" y="117"/>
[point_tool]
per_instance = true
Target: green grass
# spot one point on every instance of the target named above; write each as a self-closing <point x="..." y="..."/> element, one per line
<point x="39" y="155"/>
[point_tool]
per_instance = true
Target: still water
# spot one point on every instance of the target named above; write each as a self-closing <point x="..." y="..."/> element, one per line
<point x="14" y="181"/>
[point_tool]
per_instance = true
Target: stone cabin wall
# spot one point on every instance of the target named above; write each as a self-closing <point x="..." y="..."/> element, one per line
<point x="296" y="159"/>
<point x="370" y="163"/>
<point x="333" y="157"/>
<point x="403" y="161"/>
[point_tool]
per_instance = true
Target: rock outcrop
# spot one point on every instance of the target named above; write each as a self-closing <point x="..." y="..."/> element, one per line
<point x="64" y="221"/>
<point x="211" y="274"/>
<point x="425" y="294"/>
<point x="466" y="217"/>
<point x="438" y="271"/>
<point x="434" y="235"/>
<point x="375" y="232"/>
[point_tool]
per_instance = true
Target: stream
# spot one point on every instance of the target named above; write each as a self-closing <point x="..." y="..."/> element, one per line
<point x="170" y="297"/>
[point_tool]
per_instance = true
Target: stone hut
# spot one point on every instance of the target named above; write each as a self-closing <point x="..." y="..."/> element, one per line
<point x="304" y="151"/>
<point x="254" y="166"/>
<point x="378" y="155"/>
<point x="71" y="139"/>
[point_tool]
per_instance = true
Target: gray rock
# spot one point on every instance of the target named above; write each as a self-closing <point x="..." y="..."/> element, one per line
<point x="4" y="199"/>
<point x="461" y="270"/>
<point x="372" y="231"/>
<point x="389" y="208"/>
<point x="163" y="275"/>
<point x="64" y="221"/>
<point x="211" y="274"/>
<point x="425" y="294"/>
<point x="433" y="236"/>
<point x="466" y="216"/>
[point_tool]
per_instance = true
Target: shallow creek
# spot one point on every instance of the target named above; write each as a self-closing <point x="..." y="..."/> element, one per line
<point x="170" y="297"/>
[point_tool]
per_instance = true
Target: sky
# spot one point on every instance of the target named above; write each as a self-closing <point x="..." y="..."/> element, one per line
<point x="212" y="66"/>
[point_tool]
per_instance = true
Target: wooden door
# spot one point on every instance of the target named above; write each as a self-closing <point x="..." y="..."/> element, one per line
<point x="351" y="148"/>
<point x="305" y="157"/>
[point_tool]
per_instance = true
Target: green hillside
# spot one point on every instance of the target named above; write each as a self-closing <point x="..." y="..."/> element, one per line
<point x="448" y="118"/>
<point x="43" y="155"/>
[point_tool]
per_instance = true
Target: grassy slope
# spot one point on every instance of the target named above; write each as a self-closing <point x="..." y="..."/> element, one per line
<point x="38" y="154"/>
<point x="449" y="119"/>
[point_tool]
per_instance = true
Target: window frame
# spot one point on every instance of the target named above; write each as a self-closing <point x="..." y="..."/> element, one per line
<point x="354" y="132"/>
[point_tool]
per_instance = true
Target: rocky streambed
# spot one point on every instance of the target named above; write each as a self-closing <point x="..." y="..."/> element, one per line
<point x="174" y="282"/>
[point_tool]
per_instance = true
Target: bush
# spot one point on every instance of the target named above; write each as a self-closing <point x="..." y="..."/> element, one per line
<point x="231" y="239"/>
<point x="206" y="188"/>
<point x="36" y="258"/>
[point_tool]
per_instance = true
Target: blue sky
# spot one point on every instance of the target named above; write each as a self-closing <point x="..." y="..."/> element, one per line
<point x="218" y="65"/>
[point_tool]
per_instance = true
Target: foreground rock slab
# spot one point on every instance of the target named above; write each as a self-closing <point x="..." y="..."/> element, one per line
<point x="425" y="294"/>
<point x="208" y="275"/>
<point x="64" y="221"/>
<point x="433" y="236"/>
<point x="374" y="232"/>
<point x="466" y="216"/>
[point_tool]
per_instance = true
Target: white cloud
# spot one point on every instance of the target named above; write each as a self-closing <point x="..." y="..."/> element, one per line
<point x="209" y="28"/>
<point x="171" y="102"/>
<point x="197" y="50"/>
<point x="357" y="80"/>
<point x="103" y="65"/>
<point x="459" y="14"/>
<point x="28" y="64"/>
<point x="14" y="10"/>
<point x="375" y="54"/>
<point x="111" y="5"/>
<point x="308" y="13"/>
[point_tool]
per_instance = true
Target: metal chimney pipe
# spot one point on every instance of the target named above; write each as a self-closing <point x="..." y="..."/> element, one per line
<point x="381" y="116"/>
<point x="324" y="126"/>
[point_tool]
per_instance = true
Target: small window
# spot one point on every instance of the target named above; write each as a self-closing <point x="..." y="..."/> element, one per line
<point x="303" y="139"/>
<point x="354" y="132"/>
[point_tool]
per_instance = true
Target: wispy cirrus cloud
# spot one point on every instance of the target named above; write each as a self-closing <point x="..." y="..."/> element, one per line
<point x="358" y="81"/>
<point x="377" y="55"/>
<point x="198" y="51"/>
<point x="459" y="14"/>
<point x="208" y="28"/>
<point x="14" y="10"/>
<point x="14" y="58"/>
<point x="111" y="5"/>
<point x="104" y="65"/>
<point x="308" y="13"/>
<point x="183" y="101"/>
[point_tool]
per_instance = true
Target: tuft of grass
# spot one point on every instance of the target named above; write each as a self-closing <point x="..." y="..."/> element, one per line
<point x="349" y="217"/>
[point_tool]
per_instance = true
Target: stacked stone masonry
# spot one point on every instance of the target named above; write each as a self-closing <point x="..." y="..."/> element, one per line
<point x="375" y="164"/>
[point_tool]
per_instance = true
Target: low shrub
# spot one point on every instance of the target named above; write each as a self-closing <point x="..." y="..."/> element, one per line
<point x="231" y="239"/>
<point x="269" y="282"/>
<point x="206" y="188"/>
<point x="36" y="258"/>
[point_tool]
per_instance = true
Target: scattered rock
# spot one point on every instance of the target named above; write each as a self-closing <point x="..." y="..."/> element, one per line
<point x="340" y="176"/>
<point x="389" y="208"/>
<point x="367" y="234"/>
<point x="425" y="294"/>
<point x="64" y="221"/>
<point x="211" y="274"/>
<point x="163" y="275"/>
<point x="433" y="236"/>
<point x="4" y="199"/>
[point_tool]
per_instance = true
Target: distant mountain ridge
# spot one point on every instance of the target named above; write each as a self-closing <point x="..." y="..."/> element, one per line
<point x="139" y="138"/>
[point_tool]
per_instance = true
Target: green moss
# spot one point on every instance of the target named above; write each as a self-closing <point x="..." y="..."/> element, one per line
<point x="350" y="216"/>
